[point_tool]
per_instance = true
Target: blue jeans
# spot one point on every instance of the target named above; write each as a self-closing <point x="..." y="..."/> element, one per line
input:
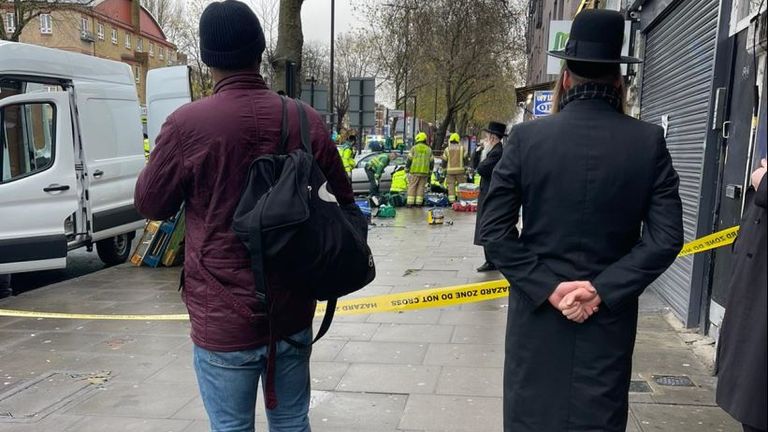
<point x="229" y="382"/>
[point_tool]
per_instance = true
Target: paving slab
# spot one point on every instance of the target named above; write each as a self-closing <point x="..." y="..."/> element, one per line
<point x="383" y="352"/>
<point x="327" y="375"/>
<point x="144" y="400"/>
<point x="471" y="381"/>
<point x="468" y="355"/>
<point x="127" y="424"/>
<point x="452" y="413"/>
<point x="390" y="378"/>
<point x="682" y="418"/>
<point x="422" y="333"/>
<point x="358" y="412"/>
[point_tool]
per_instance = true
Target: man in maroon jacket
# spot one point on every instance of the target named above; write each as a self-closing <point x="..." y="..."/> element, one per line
<point x="202" y="158"/>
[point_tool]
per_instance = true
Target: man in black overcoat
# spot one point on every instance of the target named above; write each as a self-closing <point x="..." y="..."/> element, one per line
<point x="602" y="220"/>
<point x="742" y="387"/>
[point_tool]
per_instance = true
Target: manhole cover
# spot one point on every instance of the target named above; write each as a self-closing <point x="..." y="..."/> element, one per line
<point x="673" y="381"/>
<point x="639" y="386"/>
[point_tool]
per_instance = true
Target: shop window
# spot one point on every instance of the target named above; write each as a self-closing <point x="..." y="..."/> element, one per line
<point x="27" y="134"/>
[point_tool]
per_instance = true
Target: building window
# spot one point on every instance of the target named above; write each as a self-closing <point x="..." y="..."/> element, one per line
<point x="84" y="24"/>
<point x="151" y="49"/>
<point x="46" y="24"/>
<point x="128" y="40"/>
<point x="161" y="52"/>
<point x="114" y="36"/>
<point x="100" y="31"/>
<point x="742" y="12"/>
<point x="10" y="23"/>
<point x="139" y="44"/>
<point x="137" y="73"/>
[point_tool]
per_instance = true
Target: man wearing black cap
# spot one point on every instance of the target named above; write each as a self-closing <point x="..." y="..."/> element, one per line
<point x="491" y="155"/>
<point x="202" y="158"/>
<point x="603" y="219"/>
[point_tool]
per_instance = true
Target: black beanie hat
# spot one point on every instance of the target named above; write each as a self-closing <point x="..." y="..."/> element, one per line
<point x="230" y="36"/>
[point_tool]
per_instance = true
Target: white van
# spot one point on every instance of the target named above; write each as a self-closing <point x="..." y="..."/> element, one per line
<point x="71" y="150"/>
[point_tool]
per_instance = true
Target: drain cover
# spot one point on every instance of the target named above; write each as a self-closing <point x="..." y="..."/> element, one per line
<point x="673" y="381"/>
<point x="639" y="386"/>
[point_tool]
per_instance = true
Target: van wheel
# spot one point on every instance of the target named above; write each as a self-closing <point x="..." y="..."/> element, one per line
<point x="115" y="250"/>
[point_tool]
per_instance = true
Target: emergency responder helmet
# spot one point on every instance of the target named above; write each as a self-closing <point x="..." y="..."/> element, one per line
<point x="454" y="138"/>
<point x="421" y="137"/>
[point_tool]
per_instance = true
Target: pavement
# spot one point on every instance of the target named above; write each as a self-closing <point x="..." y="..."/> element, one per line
<point x="431" y="370"/>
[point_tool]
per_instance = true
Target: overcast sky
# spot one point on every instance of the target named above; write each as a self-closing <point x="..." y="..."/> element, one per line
<point x="316" y="19"/>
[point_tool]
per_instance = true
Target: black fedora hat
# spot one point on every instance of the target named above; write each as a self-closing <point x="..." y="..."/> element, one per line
<point x="596" y="36"/>
<point x="496" y="128"/>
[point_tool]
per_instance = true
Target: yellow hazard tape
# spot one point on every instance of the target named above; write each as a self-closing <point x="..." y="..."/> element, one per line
<point x="712" y="241"/>
<point x="412" y="300"/>
<point x="405" y="301"/>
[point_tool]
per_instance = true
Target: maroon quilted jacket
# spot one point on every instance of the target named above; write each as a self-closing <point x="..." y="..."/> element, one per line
<point x="201" y="159"/>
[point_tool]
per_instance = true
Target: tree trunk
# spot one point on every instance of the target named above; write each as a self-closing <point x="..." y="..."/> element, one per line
<point x="442" y="130"/>
<point x="290" y="42"/>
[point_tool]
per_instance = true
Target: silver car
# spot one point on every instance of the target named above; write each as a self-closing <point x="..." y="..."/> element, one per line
<point x="360" y="183"/>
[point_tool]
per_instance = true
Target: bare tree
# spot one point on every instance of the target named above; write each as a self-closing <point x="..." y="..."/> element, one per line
<point x="290" y="40"/>
<point x="463" y="49"/>
<point x="268" y="13"/>
<point x="24" y="11"/>
<point x="356" y="57"/>
<point x="169" y="16"/>
<point x="188" y="42"/>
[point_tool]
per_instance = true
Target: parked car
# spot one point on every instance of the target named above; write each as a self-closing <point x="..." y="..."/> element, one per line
<point x="360" y="183"/>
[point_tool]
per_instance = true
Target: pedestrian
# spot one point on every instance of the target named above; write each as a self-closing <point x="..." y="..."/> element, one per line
<point x="201" y="159"/>
<point x="455" y="158"/>
<point x="743" y="344"/>
<point x="347" y="154"/>
<point x="420" y="164"/>
<point x="491" y="155"/>
<point x="374" y="168"/>
<point x="5" y="286"/>
<point x="352" y="142"/>
<point x="603" y="219"/>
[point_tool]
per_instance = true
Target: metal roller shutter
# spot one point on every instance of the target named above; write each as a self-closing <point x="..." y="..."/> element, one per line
<point x="677" y="79"/>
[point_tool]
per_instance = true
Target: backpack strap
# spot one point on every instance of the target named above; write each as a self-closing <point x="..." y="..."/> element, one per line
<point x="305" y="140"/>
<point x="283" y="128"/>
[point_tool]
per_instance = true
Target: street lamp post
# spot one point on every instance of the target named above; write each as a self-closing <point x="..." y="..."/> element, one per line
<point x="331" y="90"/>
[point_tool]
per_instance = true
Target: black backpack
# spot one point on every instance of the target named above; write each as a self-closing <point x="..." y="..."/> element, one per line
<point x="291" y="223"/>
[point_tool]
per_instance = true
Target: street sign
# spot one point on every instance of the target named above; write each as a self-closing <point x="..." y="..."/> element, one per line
<point x="560" y="31"/>
<point x="316" y="96"/>
<point x="362" y="103"/>
<point x="542" y="103"/>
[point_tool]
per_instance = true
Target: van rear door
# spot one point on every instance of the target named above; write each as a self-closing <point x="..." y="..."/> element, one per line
<point x="38" y="186"/>
<point x="167" y="89"/>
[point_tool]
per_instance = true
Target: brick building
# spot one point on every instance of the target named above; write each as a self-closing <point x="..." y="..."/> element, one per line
<point x="120" y="30"/>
